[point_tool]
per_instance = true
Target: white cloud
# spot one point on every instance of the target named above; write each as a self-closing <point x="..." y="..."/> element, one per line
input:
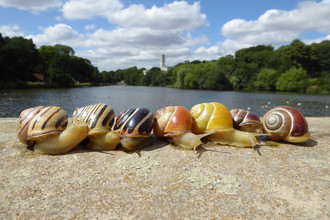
<point x="90" y="27"/>
<point x="178" y="15"/>
<point x="58" y="34"/>
<point x="31" y="5"/>
<point x="278" y="27"/>
<point x="10" y="30"/>
<point x="87" y="9"/>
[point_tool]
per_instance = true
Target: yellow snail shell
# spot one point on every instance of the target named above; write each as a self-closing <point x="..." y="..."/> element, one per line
<point x="100" y="119"/>
<point x="175" y="122"/>
<point x="135" y="125"/>
<point x="246" y="121"/>
<point x="46" y="129"/>
<point x="216" y="117"/>
<point x="286" y="123"/>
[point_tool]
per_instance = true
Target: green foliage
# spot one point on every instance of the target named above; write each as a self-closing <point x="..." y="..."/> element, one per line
<point x="304" y="68"/>
<point x="266" y="80"/>
<point x="293" y="80"/>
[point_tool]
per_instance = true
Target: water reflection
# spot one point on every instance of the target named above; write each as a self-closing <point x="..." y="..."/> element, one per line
<point x="154" y="98"/>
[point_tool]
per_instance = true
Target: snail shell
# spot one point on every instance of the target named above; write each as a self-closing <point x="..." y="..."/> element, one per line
<point x="286" y="123"/>
<point x="246" y="121"/>
<point x="135" y="126"/>
<point x="215" y="116"/>
<point x="45" y="128"/>
<point x="172" y="120"/>
<point x="175" y="122"/>
<point x="99" y="117"/>
<point x="37" y="123"/>
<point x="211" y="116"/>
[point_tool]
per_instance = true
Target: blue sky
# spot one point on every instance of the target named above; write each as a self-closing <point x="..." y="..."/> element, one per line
<point x="116" y="34"/>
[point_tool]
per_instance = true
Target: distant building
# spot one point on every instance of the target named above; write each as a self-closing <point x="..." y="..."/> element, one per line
<point x="163" y="67"/>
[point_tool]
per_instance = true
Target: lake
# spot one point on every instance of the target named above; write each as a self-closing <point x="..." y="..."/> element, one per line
<point x="154" y="98"/>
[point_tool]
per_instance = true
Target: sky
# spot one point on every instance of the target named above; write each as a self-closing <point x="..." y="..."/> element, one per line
<point x="118" y="34"/>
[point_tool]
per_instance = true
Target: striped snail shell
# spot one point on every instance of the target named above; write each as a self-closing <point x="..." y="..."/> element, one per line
<point x="45" y="128"/>
<point x="100" y="119"/>
<point x="246" y="121"/>
<point x="175" y="122"/>
<point x="216" y="117"/>
<point x="38" y="122"/>
<point x="135" y="126"/>
<point x="286" y="123"/>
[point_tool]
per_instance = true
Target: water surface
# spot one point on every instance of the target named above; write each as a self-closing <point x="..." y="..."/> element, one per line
<point x="12" y="102"/>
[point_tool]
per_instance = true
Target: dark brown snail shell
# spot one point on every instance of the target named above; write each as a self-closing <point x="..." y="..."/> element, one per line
<point x="245" y="120"/>
<point x="286" y="123"/>
<point x="135" y="122"/>
<point x="135" y="126"/>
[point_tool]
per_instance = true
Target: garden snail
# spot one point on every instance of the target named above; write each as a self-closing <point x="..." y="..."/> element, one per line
<point x="286" y="123"/>
<point x="134" y="126"/>
<point x="175" y="122"/>
<point x="215" y="116"/>
<point x="246" y="121"/>
<point x="46" y="129"/>
<point x="100" y="119"/>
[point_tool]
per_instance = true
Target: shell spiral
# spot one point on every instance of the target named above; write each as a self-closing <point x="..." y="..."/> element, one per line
<point x="38" y="122"/>
<point x="100" y="118"/>
<point x="286" y="123"/>
<point x="172" y="120"/>
<point x="210" y="117"/>
<point x="135" y="122"/>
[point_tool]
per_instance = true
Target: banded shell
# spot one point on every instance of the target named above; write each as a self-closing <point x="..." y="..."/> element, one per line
<point x="172" y="120"/>
<point x="286" y="123"/>
<point x="37" y="123"/>
<point x="246" y="121"/>
<point x="135" y="122"/>
<point x="100" y="118"/>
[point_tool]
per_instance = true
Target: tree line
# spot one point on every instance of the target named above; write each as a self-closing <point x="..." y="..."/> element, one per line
<point x="296" y="67"/>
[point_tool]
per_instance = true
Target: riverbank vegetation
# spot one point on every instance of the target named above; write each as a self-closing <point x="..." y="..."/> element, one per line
<point x="296" y="67"/>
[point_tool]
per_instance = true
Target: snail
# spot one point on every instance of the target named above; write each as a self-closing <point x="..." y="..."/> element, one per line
<point x="174" y="123"/>
<point x="215" y="116"/>
<point x="45" y="128"/>
<point x="100" y="119"/>
<point x="134" y="126"/>
<point x="286" y="123"/>
<point x="246" y="121"/>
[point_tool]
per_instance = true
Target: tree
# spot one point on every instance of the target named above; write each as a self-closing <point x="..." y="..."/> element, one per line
<point x="293" y="80"/>
<point x="266" y="79"/>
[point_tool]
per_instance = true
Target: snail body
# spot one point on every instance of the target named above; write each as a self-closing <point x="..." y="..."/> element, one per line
<point x="286" y="123"/>
<point x="45" y="128"/>
<point x="175" y="123"/>
<point x="134" y="126"/>
<point x="246" y="121"/>
<point x="216" y="117"/>
<point x="100" y="119"/>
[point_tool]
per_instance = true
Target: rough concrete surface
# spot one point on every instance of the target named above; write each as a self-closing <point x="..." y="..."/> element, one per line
<point x="164" y="182"/>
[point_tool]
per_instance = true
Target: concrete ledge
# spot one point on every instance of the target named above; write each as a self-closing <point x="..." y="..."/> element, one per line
<point x="164" y="182"/>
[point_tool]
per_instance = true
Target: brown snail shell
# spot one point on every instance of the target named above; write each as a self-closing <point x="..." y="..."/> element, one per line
<point x="135" y="125"/>
<point x="100" y="119"/>
<point x="246" y="121"/>
<point x="286" y="123"/>
<point x="175" y="123"/>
